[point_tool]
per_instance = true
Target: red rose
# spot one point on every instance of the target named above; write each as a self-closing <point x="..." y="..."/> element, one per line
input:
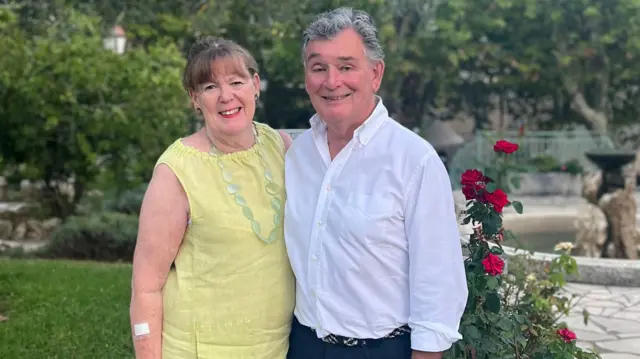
<point x="473" y="177"/>
<point x="469" y="192"/>
<point x="566" y="335"/>
<point x="497" y="198"/>
<point x="473" y="184"/>
<point x="505" y="146"/>
<point x="493" y="264"/>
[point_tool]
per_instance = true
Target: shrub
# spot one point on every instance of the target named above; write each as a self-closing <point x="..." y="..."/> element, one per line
<point x="106" y="236"/>
<point x="515" y="315"/>
<point x="547" y="163"/>
<point x="128" y="201"/>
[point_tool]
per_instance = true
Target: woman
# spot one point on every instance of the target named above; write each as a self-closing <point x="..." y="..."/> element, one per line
<point x="211" y="277"/>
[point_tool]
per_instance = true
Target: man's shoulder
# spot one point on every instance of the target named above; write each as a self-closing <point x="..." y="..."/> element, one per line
<point x="407" y="142"/>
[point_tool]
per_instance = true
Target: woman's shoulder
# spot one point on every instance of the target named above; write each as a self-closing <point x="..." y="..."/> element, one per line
<point x="181" y="148"/>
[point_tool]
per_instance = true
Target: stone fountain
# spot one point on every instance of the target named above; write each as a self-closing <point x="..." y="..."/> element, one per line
<point x="611" y="193"/>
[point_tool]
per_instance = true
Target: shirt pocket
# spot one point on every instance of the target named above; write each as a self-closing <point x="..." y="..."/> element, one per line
<point x="368" y="217"/>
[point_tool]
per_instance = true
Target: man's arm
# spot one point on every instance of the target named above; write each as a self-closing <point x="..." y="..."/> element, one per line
<point x="437" y="280"/>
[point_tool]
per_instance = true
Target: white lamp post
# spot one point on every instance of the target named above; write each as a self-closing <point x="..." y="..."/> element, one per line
<point x="116" y="41"/>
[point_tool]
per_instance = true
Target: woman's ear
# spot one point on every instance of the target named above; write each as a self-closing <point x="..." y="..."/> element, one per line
<point x="194" y="100"/>
<point x="256" y="84"/>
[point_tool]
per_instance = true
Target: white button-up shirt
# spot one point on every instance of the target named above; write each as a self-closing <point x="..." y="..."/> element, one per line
<point x="372" y="235"/>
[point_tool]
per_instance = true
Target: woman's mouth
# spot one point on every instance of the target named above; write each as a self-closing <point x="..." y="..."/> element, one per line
<point x="230" y="113"/>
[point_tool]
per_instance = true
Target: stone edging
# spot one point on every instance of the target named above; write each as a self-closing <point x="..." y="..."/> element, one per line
<point x="609" y="272"/>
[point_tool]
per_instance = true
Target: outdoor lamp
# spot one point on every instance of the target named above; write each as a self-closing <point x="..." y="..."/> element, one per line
<point x="116" y="41"/>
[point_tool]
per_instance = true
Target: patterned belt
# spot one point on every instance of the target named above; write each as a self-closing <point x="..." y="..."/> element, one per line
<point x="355" y="342"/>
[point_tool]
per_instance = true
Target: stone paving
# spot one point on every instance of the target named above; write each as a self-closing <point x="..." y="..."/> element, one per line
<point x="613" y="329"/>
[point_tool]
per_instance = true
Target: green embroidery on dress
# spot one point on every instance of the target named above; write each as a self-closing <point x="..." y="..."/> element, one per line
<point x="271" y="188"/>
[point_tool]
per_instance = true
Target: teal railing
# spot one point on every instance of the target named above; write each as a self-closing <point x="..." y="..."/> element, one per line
<point x="562" y="145"/>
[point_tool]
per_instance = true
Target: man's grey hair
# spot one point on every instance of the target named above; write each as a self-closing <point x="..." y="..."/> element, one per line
<point x="329" y="24"/>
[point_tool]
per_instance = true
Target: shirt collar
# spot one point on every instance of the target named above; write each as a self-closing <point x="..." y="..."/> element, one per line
<point x="364" y="132"/>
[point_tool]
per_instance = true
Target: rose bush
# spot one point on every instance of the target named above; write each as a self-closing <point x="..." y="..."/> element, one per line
<point x="514" y="315"/>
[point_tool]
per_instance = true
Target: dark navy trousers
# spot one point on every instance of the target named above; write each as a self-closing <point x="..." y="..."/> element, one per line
<point x="304" y="344"/>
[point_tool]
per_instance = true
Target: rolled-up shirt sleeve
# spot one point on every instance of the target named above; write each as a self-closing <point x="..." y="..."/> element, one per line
<point x="438" y="286"/>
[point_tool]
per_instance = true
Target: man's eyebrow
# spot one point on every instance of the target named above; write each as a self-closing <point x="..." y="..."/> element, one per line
<point x="313" y="55"/>
<point x="346" y="58"/>
<point x="340" y="58"/>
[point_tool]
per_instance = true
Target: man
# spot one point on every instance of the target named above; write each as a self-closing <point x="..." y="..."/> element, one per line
<point x="369" y="220"/>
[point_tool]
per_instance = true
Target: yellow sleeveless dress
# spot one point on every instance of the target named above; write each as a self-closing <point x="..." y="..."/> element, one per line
<point x="229" y="294"/>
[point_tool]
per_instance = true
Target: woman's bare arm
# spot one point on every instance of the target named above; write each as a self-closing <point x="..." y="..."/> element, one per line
<point x="286" y="138"/>
<point x="163" y="220"/>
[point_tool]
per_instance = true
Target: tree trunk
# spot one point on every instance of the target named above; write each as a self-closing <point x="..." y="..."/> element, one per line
<point x="597" y="119"/>
<point x="620" y="209"/>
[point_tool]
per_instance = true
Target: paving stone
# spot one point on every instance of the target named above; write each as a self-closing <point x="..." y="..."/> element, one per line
<point x="630" y="346"/>
<point x="586" y="336"/>
<point x="585" y="288"/>
<point x="619" y="356"/>
<point x="627" y="315"/>
<point x="601" y="304"/>
<point x="616" y="325"/>
<point x="575" y="322"/>
<point x="611" y="312"/>
<point x="592" y="310"/>
<point x="586" y="345"/>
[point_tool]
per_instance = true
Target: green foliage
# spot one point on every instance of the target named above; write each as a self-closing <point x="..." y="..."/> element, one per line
<point x="547" y="163"/>
<point x="128" y="201"/>
<point x="514" y="315"/>
<point x="105" y="236"/>
<point x="72" y="110"/>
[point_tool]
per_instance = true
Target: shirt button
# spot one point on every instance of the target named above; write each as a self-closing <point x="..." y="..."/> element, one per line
<point x="328" y="188"/>
<point x="314" y="257"/>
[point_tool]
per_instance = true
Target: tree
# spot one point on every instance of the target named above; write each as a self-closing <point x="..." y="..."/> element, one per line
<point x="73" y="111"/>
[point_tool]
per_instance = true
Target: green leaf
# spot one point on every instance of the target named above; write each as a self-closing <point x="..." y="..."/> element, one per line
<point x="492" y="302"/>
<point x="517" y="206"/>
<point x="492" y="283"/>
<point x="472" y="333"/>
<point x="496" y="250"/>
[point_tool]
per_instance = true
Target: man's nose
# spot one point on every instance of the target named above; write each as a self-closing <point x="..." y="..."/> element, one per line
<point x="333" y="79"/>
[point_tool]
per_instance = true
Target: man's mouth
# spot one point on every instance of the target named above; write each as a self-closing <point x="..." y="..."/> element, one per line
<point x="335" y="98"/>
<point x="230" y="113"/>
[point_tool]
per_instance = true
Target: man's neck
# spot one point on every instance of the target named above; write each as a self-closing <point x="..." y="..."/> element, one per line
<point x="339" y="133"/>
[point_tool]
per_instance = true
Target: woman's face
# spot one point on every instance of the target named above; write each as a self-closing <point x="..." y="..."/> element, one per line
<point x="228" y="100"/>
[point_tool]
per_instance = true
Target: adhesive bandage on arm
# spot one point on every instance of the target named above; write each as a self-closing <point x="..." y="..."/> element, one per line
<point x="141" y="330"/>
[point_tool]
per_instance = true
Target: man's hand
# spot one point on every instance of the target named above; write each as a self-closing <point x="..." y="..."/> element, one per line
<point x="425" y="355"/>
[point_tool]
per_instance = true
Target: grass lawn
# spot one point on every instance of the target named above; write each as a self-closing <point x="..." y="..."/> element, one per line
<point x="64" y="309"/>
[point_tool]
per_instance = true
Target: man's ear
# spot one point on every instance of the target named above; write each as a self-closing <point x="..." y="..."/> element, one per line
<point x="378" y="72"/>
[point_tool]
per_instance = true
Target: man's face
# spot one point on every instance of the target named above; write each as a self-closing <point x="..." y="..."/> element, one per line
<point x="340" y="80"/>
